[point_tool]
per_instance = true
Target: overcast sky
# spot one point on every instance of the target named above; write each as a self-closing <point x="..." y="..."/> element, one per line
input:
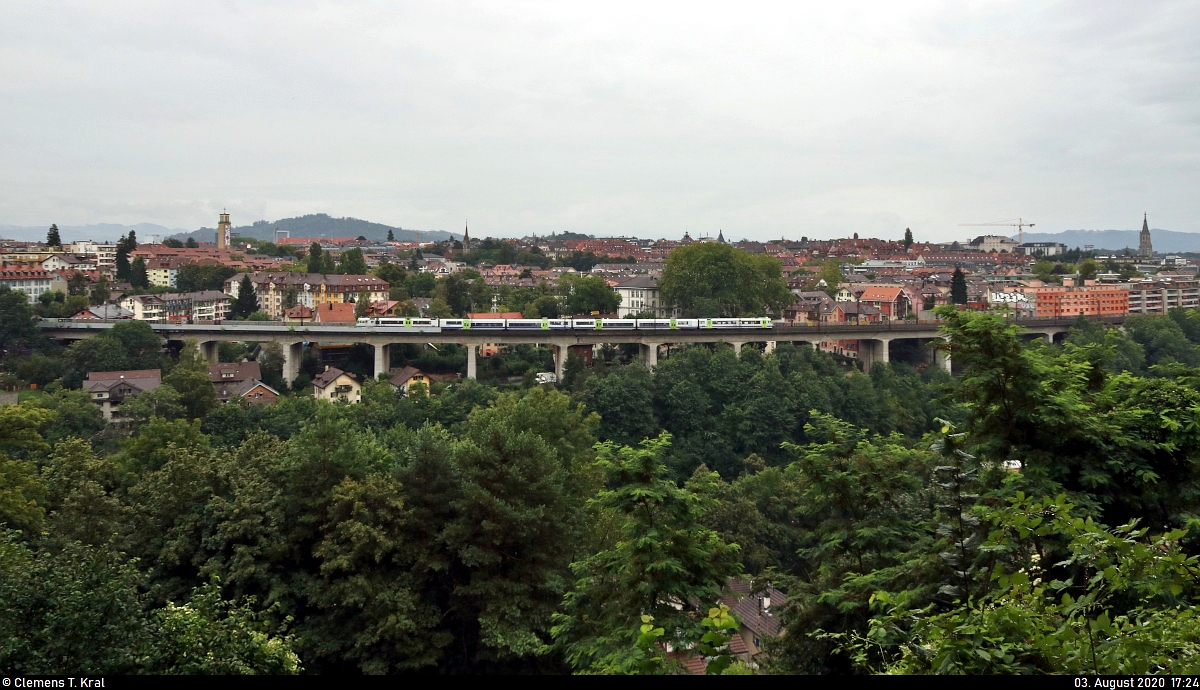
<point x="761" y="119"/>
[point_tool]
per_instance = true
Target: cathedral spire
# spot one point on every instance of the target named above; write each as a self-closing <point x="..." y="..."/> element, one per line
<point x="1145" y="248"/>
<point x="466" y="237"/>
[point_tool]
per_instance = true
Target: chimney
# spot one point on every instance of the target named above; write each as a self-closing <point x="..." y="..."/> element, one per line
<point x="326" y="367"/>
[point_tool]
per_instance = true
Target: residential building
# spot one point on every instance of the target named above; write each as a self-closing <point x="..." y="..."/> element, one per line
<point x="31" y="279"/>
<point x="1021" y="304"/>
<point x="1068" y="299"/>
<point x="993" y="243"/>
<point x="109" y="389"/>
<point x="69" y="262"/>
<point x="383" y="307"/>
<point x="234" y="380"/>
<point x="255" y="392"/>
<point x="334" y="314"/>
<point x="309" y="289"/>
<point x="1042" y="248"/>
<point x="406" y="377"/>
<point x="163" y="272"/>
<point x="890" y="300"/>
<point x="144" y="307"/>
<point x="756" y="612"/>
<point x="333" y="384"/>
<point x="105" y="254"/>
<point x="190" y="307"/>
<point x="850" y="312"/>
<point x="108" y="312"/>
<point x="806" y="309"/>
<point x="298" y="314"/>
<point x="641" y="294"/>
<point x="1158" y="296"/>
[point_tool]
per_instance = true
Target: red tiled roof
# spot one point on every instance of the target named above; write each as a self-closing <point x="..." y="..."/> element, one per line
<point x="335" y="313"/>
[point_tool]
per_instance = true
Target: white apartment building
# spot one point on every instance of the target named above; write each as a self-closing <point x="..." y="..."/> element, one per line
<point x="144" y="307"/>
<point x="993" y="243"/>
<point x="1158" y="296"/>
<point x="641" y="294"/>
<point x="69" y="262"/>
<point x="105" y="254"/>
<point x="31" y="279"/>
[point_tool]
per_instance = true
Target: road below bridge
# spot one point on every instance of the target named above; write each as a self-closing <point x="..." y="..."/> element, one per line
<point x="874" y="339"/>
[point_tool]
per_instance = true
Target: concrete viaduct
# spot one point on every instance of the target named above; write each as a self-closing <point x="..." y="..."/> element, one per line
<point x="874" y="339"/>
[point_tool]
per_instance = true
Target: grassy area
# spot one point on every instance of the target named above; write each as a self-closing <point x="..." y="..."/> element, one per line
<point x="25" y="395"/>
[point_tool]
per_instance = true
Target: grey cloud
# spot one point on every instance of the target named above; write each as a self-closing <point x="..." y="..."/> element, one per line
<point x="761" y="118"/>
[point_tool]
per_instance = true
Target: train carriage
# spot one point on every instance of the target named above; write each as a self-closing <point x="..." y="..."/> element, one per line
<point x="655" y="324"/>
<point x="539" y="324"/>
<point x="667" y="324"/>
<point x="398" y="322"/>
<point x="485" y="324"/>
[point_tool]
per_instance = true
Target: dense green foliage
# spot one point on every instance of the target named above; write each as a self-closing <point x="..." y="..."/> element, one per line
<point x="197" y="277"/>
<point x="713" y="279"/>
<point x="1037" y="513"/>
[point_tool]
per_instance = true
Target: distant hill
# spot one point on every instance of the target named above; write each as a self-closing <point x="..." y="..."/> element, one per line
<point x="97" y="231"/>
<point x="320" y="225"/>
<point x="1163" y="240"/>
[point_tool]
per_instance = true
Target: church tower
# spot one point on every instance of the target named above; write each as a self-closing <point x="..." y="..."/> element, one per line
<point x="224" y="232"/>
<point x="466" y="238"/>
<point x="721" y="236"/>
<point x="1145" y="249"/>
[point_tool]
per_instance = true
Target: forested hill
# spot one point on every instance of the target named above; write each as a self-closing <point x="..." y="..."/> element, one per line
<point x="321" y="225"/>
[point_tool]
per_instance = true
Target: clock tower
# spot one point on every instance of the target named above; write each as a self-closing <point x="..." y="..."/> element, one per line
<point x="224" y="232"/>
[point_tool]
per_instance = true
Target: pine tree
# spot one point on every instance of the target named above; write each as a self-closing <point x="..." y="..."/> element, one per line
<point x="52" y="237"/>
<point x="123" y="268"/>
<point x="391" y="236"/>
<point x="246" y="302"/>
<point x="100" y="293"/>
<point x="191" y="243"/>
<point x="78" y="284"/>
<point x="314" y="258"/>
<point x="958" y="287"/>
<point x="138" y="277"/>
<point x="908" y="238"/>
<point x="290" y="296"/>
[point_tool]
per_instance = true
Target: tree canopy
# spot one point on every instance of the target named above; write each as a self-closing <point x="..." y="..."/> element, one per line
<point x="714" y="279"/>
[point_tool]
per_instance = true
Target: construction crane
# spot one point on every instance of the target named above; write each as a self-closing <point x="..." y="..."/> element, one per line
<point x="1020" y="225"/>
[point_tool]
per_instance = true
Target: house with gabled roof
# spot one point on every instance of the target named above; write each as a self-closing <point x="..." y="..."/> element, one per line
<point x="109" y="389"/>
<point x="334" y="385"/>
<point x="890" y="300"/>
<point x="756" y="609"/>
<point x="403" y="378"/>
